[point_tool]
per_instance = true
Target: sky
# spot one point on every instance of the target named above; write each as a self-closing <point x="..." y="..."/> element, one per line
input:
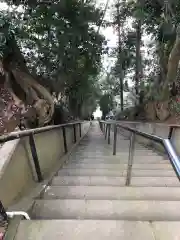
<point x="112" y="39"/>
<point x="3" y="5"/>
<point x="109" y="34"/>
<point x="112" y="42"/>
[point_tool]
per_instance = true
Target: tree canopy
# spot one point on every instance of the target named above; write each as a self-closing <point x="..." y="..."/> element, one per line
<point x="148" y="71"/>
<point x="106" y="104"/>
<point x="57" y="45"/>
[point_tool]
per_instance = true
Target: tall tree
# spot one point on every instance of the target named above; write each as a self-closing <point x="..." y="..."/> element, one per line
<point x="120" y="53"/>
<point x="138" y="72"/>
<point x="57" y="47"/>
<point x="106" y="104"/>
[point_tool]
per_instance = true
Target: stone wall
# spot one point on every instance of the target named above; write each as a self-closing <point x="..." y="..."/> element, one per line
<point x="161" y="130"/>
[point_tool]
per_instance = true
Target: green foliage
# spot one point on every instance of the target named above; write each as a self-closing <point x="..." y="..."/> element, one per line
<point x="60" y="43"/>
<point x="106" y="103"/>
<point x="156" y="18"/>
<point x="175" y="106"/>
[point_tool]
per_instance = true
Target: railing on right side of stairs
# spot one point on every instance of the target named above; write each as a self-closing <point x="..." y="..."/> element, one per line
<point x="165" y="142"/>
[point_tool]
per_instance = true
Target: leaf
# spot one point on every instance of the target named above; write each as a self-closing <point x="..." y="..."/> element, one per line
<point x="2" y="22"/>
<point x="139" y="14"/>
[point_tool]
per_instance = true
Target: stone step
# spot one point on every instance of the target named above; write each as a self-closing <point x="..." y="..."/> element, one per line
<point x="143" y="160"/>
<point x="122" y="146"/>
<point x="92" y="172"/>
<point x="110" y="161"/>
<point x="118" y="155"/>
<point x="89" y="146"/>
<point x="115" y="181"/>
<point x="104" y="145"/>
<point x="93" y="154"/>
<point x="115" y="173"/>
<point x="108" y="150"/>
<point x="107" y="210"/>
<point x="162" y="166"/>
<point x="88" y="181"/>
<point x="97" y="230"/>
<point x="112" y="193"/>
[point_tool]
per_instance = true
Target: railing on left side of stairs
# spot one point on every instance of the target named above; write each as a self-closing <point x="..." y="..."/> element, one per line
<point x="4" y="216"/>
<point x="31" y="132"/>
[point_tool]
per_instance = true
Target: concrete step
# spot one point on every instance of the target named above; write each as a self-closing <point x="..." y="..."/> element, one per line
<point x="107" y="210"/>
<point x="115" y="173"/>
<point x="115" y="181"/>
<point x="152" y="173"/>
<point x="97" y="230"/>
<point x="124" y="159"/>
<point x="162" y="166"/>
<point x="110" y="161"/>
<point x="108" y="150"/>
<point x="89" y="146"/>
<point x="112" y="193"/>
<point x="92" y="154"/>
<point x="88" y="181"/>
<point x="98" y="146"/>
<point x="92" y="172"/>
<point x="103" y="145"/>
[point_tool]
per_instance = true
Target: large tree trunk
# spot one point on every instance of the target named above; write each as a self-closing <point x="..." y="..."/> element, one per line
<point x="23" y="88"/>
<point x="173" y="64"/>
<point x="162" y="62"/>
<point x="162" y="110"/>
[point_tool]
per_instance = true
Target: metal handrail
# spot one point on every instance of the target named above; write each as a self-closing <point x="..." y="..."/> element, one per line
<point x="166" y="143"/>
<point x="12" y="214"/>
<point x="5" y="216"/>
<point x="25" y="133"/>
<point x="31" y="132"/>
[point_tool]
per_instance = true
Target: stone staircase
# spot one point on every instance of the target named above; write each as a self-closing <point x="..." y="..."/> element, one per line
<point x="88" y="199"/>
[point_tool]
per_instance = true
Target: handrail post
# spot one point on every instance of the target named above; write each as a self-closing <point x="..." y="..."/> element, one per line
<point x="171" y="129"/>
<point x="80" y="134"/>
<point x="101" y="127"/>
<point x="64" y="139"/>
<point x="109" y="133"/>
<point x="35" y="157"/>
<point x="74" y="127"/>
<point x="106" y="130"/>
<point x="3" y="214"/>
<point x="130" y="159"/>
<point x="115" y="139"/>
<point x="173" y="156"/>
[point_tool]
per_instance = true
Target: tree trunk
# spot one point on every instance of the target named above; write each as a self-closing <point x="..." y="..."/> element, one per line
<point x="120" y="58"/>
<point x="173" y="64"/>
<point x="162" y="62"/>
<point x="162" y="110"/>
<point x="138" y="71"/>
<point x="23" y="88"/>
